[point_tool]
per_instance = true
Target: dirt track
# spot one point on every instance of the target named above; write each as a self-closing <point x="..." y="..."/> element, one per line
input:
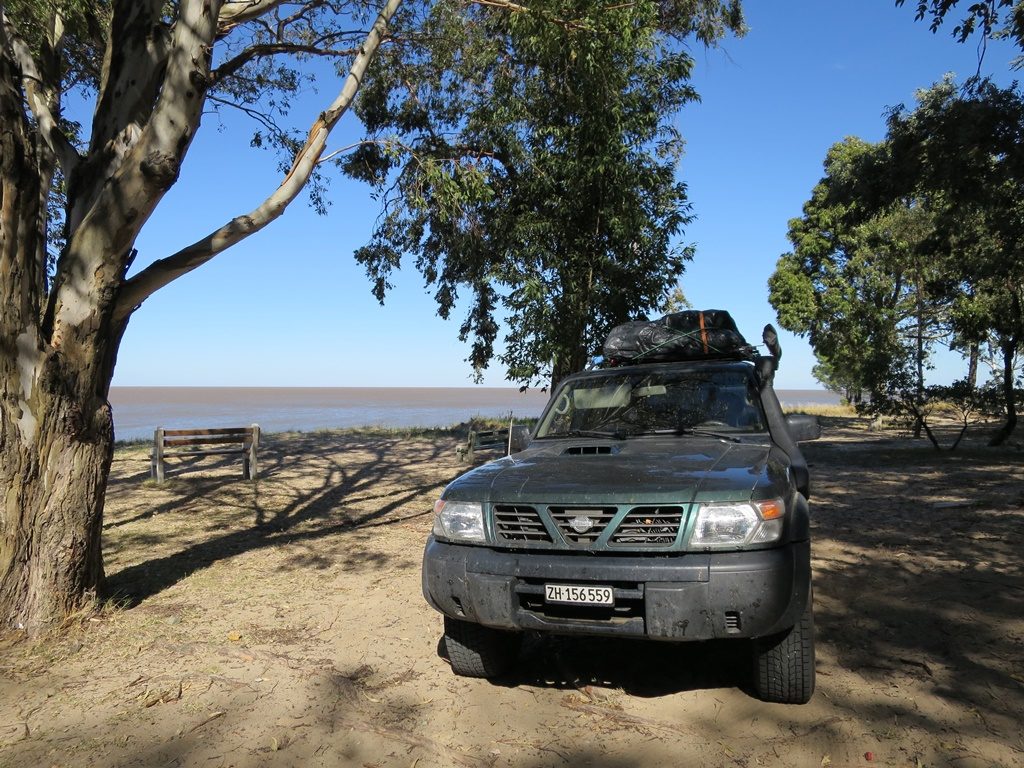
<point x="281" y="624"/>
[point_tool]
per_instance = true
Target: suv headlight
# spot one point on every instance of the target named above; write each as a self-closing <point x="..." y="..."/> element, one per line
<point x="459" y="521"/>
<point x="726" y="526"/>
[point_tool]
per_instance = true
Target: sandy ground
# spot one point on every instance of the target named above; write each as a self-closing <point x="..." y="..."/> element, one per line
<point x="281" y="624"/>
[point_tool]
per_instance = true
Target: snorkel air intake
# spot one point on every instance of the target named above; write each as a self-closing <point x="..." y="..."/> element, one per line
<point x="768" y="364"/>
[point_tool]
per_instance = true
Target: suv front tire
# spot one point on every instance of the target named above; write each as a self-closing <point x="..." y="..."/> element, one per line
<point x="784" y="663"/>
<point x="476" y="651"/>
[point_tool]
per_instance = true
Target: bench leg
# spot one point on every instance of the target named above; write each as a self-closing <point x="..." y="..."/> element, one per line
<point x="156" y="469"/>
<point x="251" y="454"/>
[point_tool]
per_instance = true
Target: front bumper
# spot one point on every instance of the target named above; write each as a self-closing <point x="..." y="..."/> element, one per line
<point x="690" y="596"/>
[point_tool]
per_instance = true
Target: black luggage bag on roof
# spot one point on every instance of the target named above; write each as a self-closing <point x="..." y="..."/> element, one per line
<point x="689" y="335"/>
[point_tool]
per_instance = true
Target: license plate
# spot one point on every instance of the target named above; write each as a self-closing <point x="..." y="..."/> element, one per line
<point x="573" y="594"/>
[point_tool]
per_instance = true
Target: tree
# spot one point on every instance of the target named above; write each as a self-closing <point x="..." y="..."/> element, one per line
<point x="529" y="159"/>
<point x="967" y="145"/>
<point x="152" y="67"/>
<point x="914" y="239"/>
<point x="859" y="282"/>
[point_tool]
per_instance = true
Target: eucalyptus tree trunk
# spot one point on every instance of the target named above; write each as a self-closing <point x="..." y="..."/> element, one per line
<point x="62" y="336"/>
<point x="59" y="337"/>
<point x="55" y="426"/>
<point x="56" y="438"/>
<point x="56" y="432"/>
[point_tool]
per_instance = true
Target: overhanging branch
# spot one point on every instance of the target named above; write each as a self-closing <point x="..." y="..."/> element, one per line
<point x="162" y="272"/>
<point x="234" y="64"/>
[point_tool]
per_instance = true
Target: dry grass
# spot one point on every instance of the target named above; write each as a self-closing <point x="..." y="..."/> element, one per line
<point x="832" y="411"/>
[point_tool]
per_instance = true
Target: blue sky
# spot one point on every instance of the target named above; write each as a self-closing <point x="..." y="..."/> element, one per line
<point x="290" y="307"/>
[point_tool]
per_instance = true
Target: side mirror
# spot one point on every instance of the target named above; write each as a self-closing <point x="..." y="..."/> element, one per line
<point x="803" y="427"/>
<point x="518" y="438"/>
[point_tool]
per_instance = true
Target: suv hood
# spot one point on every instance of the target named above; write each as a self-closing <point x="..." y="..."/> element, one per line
<point x="646" y="470"/>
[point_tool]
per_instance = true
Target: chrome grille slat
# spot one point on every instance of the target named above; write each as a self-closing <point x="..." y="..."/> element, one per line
<point x="516" y="522"/>
<point x="649" y="527"/>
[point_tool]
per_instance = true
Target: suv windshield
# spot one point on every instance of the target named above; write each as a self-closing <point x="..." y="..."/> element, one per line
<point x="623" y="404"/>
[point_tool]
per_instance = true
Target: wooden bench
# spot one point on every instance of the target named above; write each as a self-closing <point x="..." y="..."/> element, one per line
<point x="204" y="442"/>
<point x="504" y="441"/>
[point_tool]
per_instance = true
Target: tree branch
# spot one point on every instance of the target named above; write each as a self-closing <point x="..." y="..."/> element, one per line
<point x="262" y="118"/>
<point x="234" y="13"/>
<point x="231" y="66"/>
<point x="160" y="273"/>
<point x="34" y="86"/>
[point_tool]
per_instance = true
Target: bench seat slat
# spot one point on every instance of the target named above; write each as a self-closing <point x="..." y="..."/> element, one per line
<point x="204" y="451"/>
<point x="213" y="431"/>
<point x="176" y="441"/>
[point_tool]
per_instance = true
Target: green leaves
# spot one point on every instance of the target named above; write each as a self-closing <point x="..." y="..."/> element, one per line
<point x="993" y="19"/>
<point x="533" y="166"/>
<point x="856" y="283"/>
<point x="913" y="241"/>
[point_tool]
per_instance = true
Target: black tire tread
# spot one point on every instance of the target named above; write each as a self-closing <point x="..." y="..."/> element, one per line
<point x="477" y="651"/>
<point x="784" y="663"/>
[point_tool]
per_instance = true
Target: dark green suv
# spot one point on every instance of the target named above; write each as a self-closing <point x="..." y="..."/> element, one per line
<point x="665" y="501"/>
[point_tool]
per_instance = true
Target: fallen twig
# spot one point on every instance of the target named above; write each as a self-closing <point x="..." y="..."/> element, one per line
<point x="208" y="720"/>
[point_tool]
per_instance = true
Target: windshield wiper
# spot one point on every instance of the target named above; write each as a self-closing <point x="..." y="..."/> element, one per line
<point x="690" y="431"/>
<point x="709" y="433"/>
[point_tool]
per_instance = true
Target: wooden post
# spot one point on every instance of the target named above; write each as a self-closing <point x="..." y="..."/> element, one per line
<point x="156" y="468"/>
<point x="250" y="470"/>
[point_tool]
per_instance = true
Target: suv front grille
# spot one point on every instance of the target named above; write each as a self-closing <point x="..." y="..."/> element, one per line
<point x="649" y="526"/>
<point x="582" y="525"/>
<point x="645" y="528"/>
<point x="519" y="523"/>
